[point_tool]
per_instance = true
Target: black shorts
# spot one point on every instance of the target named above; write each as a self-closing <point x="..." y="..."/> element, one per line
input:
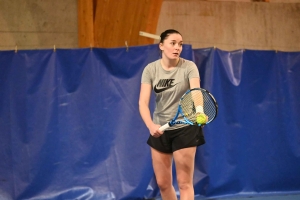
<point x="172" y="140"/>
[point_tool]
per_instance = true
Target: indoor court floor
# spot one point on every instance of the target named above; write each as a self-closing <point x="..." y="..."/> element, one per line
<point x="265" y="197"/>
<point x="279" y="197"/>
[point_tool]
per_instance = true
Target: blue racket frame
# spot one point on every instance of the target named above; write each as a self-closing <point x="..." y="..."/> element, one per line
<point x="186" y="120"/>
<point x="173" y="121"/>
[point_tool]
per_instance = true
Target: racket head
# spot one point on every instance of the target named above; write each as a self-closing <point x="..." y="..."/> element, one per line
<point x="198" y="96"/>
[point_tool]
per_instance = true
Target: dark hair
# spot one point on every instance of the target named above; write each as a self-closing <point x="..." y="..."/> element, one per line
<point x="164" y="35"/>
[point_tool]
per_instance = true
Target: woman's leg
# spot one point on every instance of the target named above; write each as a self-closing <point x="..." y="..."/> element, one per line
<point x="162" y="165"/>
<point x="184" y="161"/>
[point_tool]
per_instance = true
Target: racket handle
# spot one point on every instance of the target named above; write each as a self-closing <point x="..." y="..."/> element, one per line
<point x="164" y="127"/>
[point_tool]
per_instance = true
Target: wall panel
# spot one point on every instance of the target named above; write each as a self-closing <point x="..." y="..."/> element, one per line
<point x="117" y="22"/>
<point x="32" y="24"/>
<point x="233" y="25"/>
<point x="85" y="23"/>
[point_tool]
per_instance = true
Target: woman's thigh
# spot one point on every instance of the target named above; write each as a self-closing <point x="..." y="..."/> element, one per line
<point x="162" y="165"/>
<point x="185" y="161"/>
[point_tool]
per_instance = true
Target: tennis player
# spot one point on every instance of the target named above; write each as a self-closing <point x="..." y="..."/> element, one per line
<point x="170" y="77"/>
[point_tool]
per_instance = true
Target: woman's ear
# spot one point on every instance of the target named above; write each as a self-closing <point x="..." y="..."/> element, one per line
<point x="161" y="46"/>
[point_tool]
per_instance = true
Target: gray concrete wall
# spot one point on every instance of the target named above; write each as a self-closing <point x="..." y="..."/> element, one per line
<point x="234" y="25"/>
<point x="228" y="25"/>
<point x="38" y="24"/>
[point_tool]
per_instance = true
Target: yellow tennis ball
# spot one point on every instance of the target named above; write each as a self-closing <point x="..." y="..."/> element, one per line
<point x="201" y="119"/>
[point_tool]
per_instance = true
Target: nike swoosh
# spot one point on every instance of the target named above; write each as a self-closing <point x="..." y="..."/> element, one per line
<point x="163" y="89"/>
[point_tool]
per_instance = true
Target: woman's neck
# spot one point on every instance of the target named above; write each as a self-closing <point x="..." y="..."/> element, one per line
<point x="168" y="64"/>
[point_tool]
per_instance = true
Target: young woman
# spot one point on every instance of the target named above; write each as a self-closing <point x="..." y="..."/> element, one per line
<point x="170" y="77"/>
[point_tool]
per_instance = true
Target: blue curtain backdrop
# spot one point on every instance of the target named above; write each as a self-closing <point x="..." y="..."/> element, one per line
<point x="70" y="126"/>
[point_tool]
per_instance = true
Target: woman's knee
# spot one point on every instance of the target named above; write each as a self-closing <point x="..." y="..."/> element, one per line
<point x="185" y="185"/>
<point x="185" y="182"/>
<point x="164" y="184"/>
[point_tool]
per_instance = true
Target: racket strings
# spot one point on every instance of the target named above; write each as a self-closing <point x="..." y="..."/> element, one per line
<point x="195" y="98"/>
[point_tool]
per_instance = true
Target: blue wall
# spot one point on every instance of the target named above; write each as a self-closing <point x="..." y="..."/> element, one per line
<point x="70" y="126"/>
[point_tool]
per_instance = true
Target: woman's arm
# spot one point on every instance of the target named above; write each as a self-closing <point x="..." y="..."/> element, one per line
<point x="194" y="83"/>
<point x="198" y="102"/>
<point x="144" y="100"/>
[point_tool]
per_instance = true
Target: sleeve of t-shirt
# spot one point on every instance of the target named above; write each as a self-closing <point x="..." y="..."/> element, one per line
<point x="146" y="77"/>
<point x="192" y="71"/>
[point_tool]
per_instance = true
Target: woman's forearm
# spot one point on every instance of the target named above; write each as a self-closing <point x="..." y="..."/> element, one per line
<point x="145" y="114"/>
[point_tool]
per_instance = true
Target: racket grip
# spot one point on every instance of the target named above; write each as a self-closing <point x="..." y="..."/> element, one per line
<point x="164" y="127"/>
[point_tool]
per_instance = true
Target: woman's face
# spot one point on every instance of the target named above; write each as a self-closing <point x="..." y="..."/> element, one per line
<point x="172" y="46"/>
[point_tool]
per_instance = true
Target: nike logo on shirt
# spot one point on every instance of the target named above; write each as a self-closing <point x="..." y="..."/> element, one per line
<point x="164" y="84"/>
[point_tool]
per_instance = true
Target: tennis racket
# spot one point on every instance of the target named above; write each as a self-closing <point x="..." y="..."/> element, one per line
<point x="193" y="103"/>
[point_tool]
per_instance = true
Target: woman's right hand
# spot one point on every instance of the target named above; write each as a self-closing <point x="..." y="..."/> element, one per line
<point x="154" y="130"/>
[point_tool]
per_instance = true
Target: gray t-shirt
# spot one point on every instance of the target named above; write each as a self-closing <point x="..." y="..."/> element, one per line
<point x="169" y="86"/>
